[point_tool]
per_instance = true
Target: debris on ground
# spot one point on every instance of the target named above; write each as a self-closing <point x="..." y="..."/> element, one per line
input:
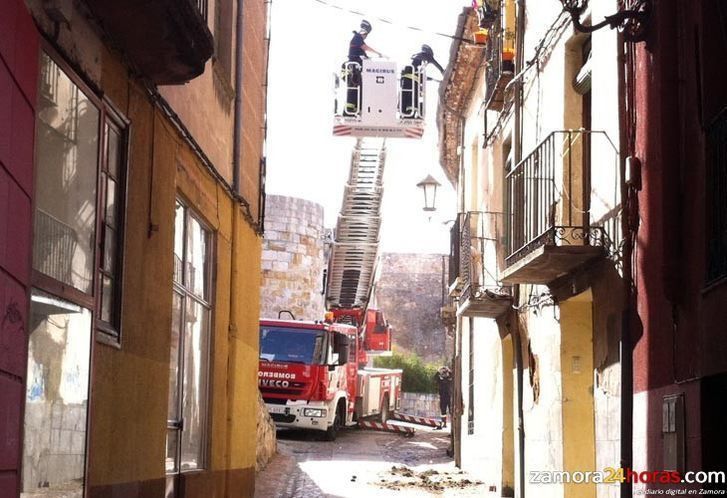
<point x="399" y="477"/>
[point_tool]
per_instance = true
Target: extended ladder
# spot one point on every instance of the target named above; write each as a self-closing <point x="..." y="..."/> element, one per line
<point x="355" y="248"/>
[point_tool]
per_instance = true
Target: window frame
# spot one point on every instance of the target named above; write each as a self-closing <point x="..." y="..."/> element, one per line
<point x="715" y="271"/>
<point x="110" y="332"/>
<point x="186" y="294"/>
<point x="108" y="112"/>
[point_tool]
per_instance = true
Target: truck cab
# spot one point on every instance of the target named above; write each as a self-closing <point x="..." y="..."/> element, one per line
<point x="308" y="374"/>
<point x="377" y="336"/>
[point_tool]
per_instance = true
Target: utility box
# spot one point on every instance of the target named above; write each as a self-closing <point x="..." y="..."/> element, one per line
<point x="368" y="102"/>
<point x="380" y="93"/>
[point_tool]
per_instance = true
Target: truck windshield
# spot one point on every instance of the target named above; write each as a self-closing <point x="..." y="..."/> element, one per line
<point x="291" y="345"/>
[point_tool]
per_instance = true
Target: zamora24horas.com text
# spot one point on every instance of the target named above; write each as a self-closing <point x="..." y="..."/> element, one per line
<point x="614" y="475"/>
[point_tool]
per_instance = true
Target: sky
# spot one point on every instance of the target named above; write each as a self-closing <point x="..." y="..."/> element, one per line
<point x="309" y="41"/>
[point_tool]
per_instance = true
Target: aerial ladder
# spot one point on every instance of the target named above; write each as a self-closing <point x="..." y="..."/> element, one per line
<point x="386" y="104"/>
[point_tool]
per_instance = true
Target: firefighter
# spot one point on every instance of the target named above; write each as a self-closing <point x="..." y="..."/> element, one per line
<point x="444" y="385"/>
<point x="411" y="84"/>
<point x="357" y="51"/>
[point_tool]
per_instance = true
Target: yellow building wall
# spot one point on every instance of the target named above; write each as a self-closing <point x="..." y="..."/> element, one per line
<point x="579" y="455"/>
<point x="130" y="384"/>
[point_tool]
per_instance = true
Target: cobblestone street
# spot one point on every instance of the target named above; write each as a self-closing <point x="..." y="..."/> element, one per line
<point x="364" y="464"/>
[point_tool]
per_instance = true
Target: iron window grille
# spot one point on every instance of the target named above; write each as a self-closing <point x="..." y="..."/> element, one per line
<point x="716" y="208"/>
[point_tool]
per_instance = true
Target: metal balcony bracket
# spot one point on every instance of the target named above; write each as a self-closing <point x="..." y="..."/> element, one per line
<point x="633" y="22"/>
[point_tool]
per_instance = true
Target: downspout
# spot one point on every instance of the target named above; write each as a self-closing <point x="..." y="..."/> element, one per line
<point x="628" y="196"/>
<point x="517" y="156"/>
<point x="237" y="139"/>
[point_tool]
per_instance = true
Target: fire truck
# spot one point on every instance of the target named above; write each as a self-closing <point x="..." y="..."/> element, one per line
<point x="313" y="375"/>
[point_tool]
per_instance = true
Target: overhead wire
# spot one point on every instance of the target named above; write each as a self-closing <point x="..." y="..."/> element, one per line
<point x="395" y="23"/>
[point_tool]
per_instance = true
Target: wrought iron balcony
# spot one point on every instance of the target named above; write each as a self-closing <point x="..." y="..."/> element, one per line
<point x="483" y="294"/>
<point x="549" y="233"/>
<point x="500" y="67"/>
<point x="455" y="283"/>
<point x="169" y="41"/>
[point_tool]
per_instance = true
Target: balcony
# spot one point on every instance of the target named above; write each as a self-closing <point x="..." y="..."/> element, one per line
<point x="500" y="61"/>
<point x="548" y="208"/>
<point x="167" y="40"/>
<point x="482" y="293"/>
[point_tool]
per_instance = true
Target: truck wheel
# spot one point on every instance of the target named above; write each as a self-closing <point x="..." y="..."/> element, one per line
<point x="385" y="409"/>
<point x="332" y="431"/>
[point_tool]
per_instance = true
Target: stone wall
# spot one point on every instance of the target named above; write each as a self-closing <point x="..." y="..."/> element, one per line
<point x="409" y="291"/>
<point x="420" y="404"/>
<point x="267" y="443"/>
<point x="293" y="259"/>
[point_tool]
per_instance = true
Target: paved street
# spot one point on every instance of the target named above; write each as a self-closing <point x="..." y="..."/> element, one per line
<point x="363" y="464"/>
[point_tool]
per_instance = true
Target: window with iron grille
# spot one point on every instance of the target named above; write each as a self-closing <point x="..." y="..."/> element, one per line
<point x="716" y="208"/>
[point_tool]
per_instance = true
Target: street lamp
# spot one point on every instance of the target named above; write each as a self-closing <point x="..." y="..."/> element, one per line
<point x="633" y="22"/>
<point x="429" y="187"/>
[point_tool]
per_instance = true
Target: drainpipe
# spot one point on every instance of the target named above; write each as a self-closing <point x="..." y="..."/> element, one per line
<point x="517" y="156"/>
<point x="237" y="139"/>
<point x="628" y="196"/>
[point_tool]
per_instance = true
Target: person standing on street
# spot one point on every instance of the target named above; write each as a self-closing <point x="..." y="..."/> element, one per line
<point x="444" y="384"/>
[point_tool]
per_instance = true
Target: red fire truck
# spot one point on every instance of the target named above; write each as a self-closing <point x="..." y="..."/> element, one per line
<point x="372" y="323"/>
<point x="311" y="376"/>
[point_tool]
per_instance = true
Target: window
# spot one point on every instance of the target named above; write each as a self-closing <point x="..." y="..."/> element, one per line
<point x="717" y="198"/>
<point x="223" y="35"/>
<point x="79" y="193"/>
<point x="79" y="184"/>
<point x="190" y="344"/>
<point x="672" y="433"/>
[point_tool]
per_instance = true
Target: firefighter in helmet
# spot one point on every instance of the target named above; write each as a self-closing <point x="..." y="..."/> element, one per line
<point x="411" y="81"/>
<point x="357" y="51"/>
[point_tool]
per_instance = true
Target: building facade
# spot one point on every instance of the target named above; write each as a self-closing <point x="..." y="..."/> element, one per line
<point x="139" y="282"/>
<point x="19" y="42"/>
<point x="530" y="136"/>
<point x="679" y="125"/>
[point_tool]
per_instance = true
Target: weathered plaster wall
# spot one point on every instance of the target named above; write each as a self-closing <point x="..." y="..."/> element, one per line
<point x="409" y="291"/>
<point x="293" y="259"/>
<point x="482" y="451"/>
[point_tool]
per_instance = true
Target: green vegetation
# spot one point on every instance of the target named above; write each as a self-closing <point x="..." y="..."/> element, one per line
<point x="418" y="376"/>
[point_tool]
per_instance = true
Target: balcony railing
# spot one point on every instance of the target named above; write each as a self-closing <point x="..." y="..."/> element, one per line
<point x="483" y="294"/>
<point x="54" y="246"/>
<point x="500" y="66"/>
<point x="548" y="206"/>
<point x="454" y="246"/>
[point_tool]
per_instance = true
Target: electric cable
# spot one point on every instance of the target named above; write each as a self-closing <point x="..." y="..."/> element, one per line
<point x="395" y="23"/>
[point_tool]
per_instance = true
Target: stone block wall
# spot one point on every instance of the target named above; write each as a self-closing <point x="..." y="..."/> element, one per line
<point x="420" y="404"/>
<point x="293" y="258"/>
<point x="267" y="443"/>
<point x="409" y="291"/>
